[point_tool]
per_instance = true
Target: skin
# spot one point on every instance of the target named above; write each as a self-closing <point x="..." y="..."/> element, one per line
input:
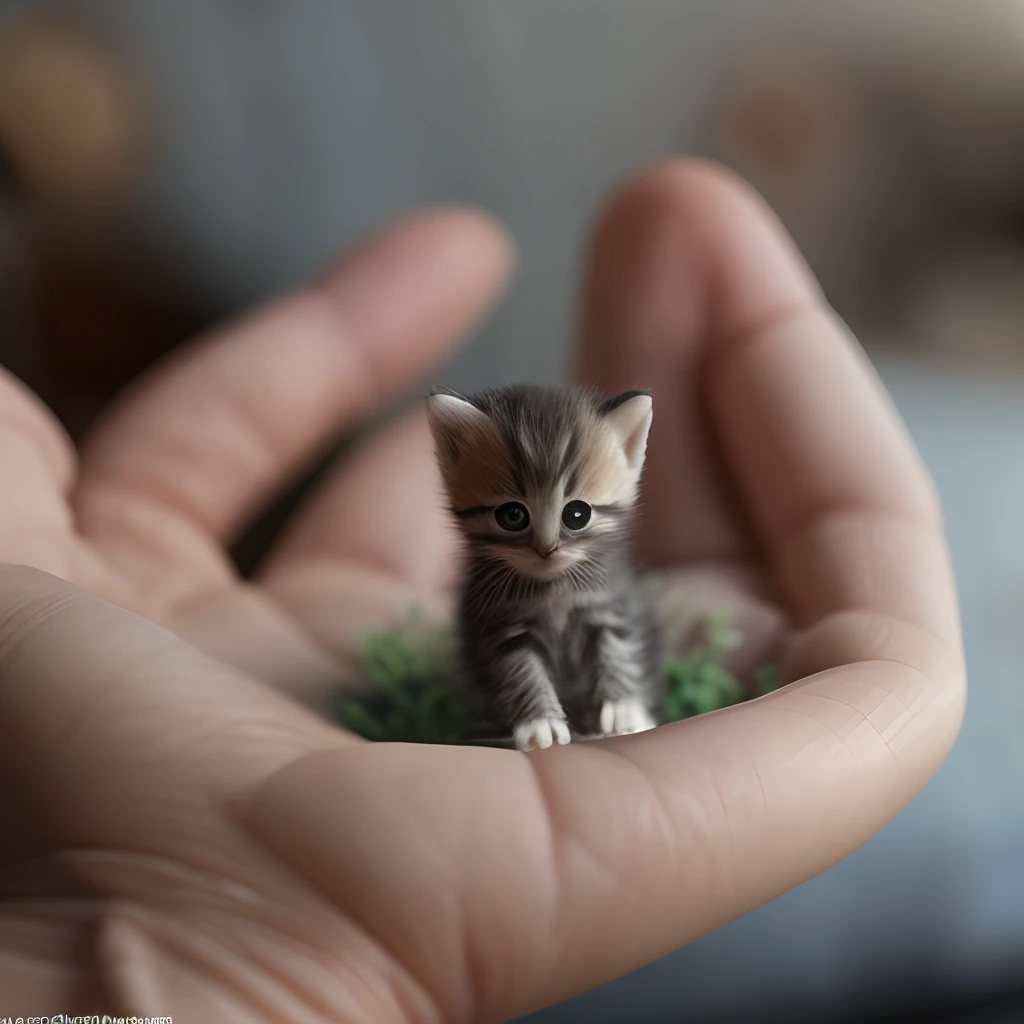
<point x="181" y="836"/>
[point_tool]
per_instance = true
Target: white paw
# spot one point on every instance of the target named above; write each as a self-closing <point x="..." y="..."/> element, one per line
<point x="540" y="733"/>
<point x="625" y="716"/>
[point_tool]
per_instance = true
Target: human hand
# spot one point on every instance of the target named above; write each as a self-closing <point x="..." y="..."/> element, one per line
<point x="202" y="846"/>
<point x="174" y="471"/>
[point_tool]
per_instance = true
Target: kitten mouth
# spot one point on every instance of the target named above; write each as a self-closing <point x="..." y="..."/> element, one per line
<point x="549" y="568"/>
<point x="543" y="570"/>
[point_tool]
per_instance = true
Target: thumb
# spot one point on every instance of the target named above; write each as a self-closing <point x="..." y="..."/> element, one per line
<point x="100" y="708"/>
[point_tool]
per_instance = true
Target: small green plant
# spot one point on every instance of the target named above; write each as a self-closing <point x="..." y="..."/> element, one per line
<point x="697" y="682"/>
<point x="415" y="700"/>
<point x="416" y="697"/>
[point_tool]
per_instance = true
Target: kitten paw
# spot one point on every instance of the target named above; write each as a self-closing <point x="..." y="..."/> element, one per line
<point x="625" y="716"/>
<point x="540" y="733"/>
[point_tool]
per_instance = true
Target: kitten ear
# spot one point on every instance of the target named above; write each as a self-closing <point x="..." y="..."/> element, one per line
<point x="629" y="415"/>
<point x="456" y="423"/>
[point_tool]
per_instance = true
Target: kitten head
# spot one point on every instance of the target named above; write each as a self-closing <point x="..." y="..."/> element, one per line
<point x="541" y="479"/>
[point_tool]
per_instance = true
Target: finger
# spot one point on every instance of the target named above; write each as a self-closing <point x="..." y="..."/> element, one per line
<point x="212" y="433"/>
<point x="703" y="822"/>
<point x="695" y="283"/>
<point x="383" y="510"/>
<point x="826" y="472"/>
<point x="101" y="710"/>
<point x="373" y="547"/>
<point x="37" y="467"/>
<point x="656" y="839"/>
<point x="674" y="249"/>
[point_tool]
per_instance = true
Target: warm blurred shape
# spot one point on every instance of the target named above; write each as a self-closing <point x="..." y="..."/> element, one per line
<point x="71" y="122"/>
<point x="890" y="139"/>
<point x="85" y="308"/>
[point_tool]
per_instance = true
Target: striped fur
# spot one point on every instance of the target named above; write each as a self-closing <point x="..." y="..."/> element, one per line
<point x="552" y="623"/>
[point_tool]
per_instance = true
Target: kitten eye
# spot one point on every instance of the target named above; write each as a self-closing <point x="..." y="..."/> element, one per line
<point x="576" y="515"/>
<point x="512" y="516"/>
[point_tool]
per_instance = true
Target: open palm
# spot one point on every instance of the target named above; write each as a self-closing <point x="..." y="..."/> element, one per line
<point x="177" y="468"/>
<point x="230" y="855"/>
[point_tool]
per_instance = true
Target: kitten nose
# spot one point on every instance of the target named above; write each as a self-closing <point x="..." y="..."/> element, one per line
<point x="544" y="550"/>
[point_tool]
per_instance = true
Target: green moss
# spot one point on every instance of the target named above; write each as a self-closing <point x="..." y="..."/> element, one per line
<point x="414" y="700"/>
<point x="416" y="697"/>
<point x="697" y="682"/>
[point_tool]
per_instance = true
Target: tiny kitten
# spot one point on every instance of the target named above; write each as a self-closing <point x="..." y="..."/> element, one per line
<point x="554" y="628"/>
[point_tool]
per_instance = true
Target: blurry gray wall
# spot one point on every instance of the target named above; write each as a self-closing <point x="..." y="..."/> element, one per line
<point x="287" y="130"/>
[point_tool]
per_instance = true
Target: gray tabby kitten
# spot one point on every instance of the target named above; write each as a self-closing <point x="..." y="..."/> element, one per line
<point x="554" y="629"/>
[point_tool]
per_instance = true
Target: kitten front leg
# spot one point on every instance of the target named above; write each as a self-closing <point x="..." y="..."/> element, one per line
<point x="527" y="696"/>
<point x="621" y="689"/>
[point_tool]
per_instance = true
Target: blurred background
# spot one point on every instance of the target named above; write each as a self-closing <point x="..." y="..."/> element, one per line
<point x="164" y="163"/>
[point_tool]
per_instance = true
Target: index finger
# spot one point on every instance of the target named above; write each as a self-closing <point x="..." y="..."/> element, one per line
<point x="220" y="427"/>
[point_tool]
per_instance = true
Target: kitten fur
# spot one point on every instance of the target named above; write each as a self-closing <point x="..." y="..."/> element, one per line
<point x="554" y="630"/>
